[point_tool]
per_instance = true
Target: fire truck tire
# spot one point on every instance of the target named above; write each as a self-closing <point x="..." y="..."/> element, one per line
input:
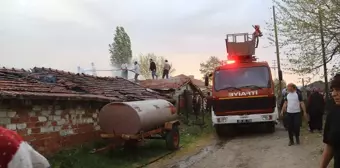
<point x="219" y="131"/>
<point x="172" y="138"/>
<point x="271" y="127"/>
<point x="224" y="131"/>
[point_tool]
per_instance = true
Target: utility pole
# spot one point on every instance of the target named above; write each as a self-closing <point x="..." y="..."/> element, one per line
<point x="323" y="54"/>
<point x="303" y="82"/>
<point x="277" y="51"/>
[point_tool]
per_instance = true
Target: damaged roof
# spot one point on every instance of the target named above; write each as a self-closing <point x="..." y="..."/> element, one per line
<point x="196" y="82"/>
<point x="47" y="82"/>
<point x="165" y="84"/>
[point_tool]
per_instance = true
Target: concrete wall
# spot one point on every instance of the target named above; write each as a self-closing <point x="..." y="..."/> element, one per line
<point x="51" y="125"/>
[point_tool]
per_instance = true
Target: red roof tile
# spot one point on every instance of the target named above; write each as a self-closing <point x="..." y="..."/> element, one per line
<point x="19" y="82"/>
<point x="164" y="84"/>
<point x="171" y="83"/>
<point x="196" y="82"/>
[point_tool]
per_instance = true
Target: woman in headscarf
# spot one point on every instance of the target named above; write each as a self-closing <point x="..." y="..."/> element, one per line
<point x="315" y="110"/>
<point x="16" y="153"/>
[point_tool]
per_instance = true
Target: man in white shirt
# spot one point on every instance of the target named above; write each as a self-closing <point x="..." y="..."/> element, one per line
<point x="166" y="69"/>
<point x="136" y="70"/>
<point x="124" y="69"/>
<point x="292" y="106"/>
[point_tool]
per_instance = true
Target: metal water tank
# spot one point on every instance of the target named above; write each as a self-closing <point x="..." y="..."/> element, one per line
<point x="134" y="117"/>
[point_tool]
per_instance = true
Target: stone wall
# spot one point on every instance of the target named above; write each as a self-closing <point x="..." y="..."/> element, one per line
<point x="51" y="125"/>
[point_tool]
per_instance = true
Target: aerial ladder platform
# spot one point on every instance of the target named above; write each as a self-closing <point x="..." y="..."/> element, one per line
<point x="242" y="45"/>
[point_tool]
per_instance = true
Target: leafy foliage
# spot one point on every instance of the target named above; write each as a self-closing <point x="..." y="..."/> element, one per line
<point x="210" y="65"/>
<point x="144" y="63"/>
<point x="300" y="37"/>
<point x="277" y="86"/>
<point x="120" y="49"/>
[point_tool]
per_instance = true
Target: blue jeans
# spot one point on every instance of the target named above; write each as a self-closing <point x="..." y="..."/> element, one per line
<point x="153" y="74"/>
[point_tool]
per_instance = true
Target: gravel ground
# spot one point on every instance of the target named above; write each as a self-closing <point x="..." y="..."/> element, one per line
<point x="254" y="150"/>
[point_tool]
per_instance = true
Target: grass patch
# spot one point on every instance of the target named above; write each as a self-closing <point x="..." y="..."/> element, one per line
<point x="120" y="158"/>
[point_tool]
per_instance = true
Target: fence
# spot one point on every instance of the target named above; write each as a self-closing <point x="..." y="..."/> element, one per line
<point x="192" y="108"/>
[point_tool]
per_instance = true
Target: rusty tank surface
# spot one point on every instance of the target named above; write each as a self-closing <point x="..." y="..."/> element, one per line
<point x="134" y="117"/>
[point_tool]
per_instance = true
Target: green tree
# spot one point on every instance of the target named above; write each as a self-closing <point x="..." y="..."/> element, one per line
<point x="144" y="64"/>
<point x="299" y="33"/>
<point x="277" y="86"/>
<point x="120" y="49"/>
<point x="210" y="65"/>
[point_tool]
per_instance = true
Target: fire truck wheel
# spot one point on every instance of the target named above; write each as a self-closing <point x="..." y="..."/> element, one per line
<point x="219" y="131"/>
<point x="172" y="138"/>
<point x="271" y="127"/>
<point x="224" y="131"/>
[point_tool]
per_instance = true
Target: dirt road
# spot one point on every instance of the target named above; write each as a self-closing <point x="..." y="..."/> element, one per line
<point x="257" y="151"/>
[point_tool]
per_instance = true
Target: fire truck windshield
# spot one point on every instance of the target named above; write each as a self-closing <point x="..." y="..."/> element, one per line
<point x="257" y="77"/>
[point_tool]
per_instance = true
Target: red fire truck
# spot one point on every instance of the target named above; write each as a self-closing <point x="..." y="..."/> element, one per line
<point x="242" y="87"/>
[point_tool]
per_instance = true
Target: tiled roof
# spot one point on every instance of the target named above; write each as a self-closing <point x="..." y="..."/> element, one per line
<point x="196" y="82"/>
<point x="19" y="82"/>
<point x="165" y="84"/>
<point x="171" y="83"/>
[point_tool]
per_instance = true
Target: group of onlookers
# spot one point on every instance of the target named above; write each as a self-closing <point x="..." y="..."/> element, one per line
<point x="152" y="68"/>
<point x="292" y="109"/>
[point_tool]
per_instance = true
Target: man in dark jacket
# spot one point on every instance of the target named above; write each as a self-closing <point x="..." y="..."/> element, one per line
<point x="153" y="69"/>
<point x="315" y="109"/>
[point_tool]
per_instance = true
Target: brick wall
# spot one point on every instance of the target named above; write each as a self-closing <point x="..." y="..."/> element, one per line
<point x="51" y="125"/>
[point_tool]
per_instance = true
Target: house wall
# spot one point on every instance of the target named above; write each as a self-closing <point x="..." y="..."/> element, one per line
<point x="180" y="91"/>
<point x="51" y="125"/>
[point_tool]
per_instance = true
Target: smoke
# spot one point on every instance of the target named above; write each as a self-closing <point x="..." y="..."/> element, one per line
<point x="117" y="72"/>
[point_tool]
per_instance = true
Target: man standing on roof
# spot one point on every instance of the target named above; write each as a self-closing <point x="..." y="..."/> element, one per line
<point x="153" y="69"/>
<point x="136" y="70"/>
<point x="166" y="69"/>
<point x="124" y="69"/>
<point x="292" y="106"/>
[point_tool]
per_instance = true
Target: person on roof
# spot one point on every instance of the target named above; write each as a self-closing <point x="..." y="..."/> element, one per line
<point x="166" y="69"/>
<point x="124" y="69"/>
<point x="136" y="70"/>
<point x="16" y="153"/>
<point x="153" y="69"/>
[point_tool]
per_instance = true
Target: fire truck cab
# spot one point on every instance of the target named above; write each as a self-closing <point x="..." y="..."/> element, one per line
<point x="242" y="87"/>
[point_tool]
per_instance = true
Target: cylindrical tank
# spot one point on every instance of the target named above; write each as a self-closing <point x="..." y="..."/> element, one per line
<point x="136" y="116"/>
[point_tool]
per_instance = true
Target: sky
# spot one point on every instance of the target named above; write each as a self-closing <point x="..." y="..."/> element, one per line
<point x="65" y="34"/>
